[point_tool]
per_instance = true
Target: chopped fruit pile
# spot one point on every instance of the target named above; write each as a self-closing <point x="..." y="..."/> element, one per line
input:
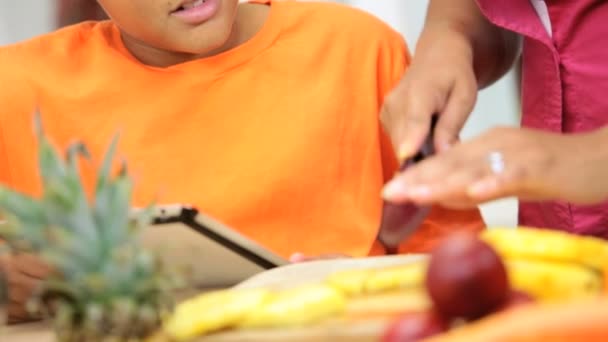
<point x="471" y="277"/>
<point x="466" y="278"/>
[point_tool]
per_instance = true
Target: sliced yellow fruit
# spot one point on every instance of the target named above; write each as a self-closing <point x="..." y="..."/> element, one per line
<point x="213" y="311"/>
<point x="351" y="282"/>
<point x="388" y="304"/>
<point x="298" y="306"/>
<point x="553" y="281"/>
<point x="396" y="278"/>
<point x="373" y="281"/>
<point x="550" y="245"/>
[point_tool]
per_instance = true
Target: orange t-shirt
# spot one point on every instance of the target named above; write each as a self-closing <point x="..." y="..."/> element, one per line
<point x="279" y="138"/>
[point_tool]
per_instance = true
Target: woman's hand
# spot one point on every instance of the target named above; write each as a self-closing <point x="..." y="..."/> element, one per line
<point x="459" y="52"/>
<point x="440" y="80"/>
<point x="504" y="162"/>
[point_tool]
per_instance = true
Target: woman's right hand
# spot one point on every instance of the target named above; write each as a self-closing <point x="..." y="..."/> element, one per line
<point x="24" y="274"/>
<point x="441" y="80"/>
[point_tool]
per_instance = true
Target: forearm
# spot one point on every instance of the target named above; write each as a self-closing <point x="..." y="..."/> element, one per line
<point x="460" y="24"/>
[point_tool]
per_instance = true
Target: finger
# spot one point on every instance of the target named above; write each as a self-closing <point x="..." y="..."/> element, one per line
<point x="407" y="117"/>
<point x="459" y="204"/>
<point x="299" y="257"/>
<point x="418" y="182"/>
<point x="32" y="266"/>
<point x="512" y="181"/>
<point x="459" y="106"/>
<point x="17" y="313"/>
<point x="22" y="287"/>
<point x="451" y="188"/>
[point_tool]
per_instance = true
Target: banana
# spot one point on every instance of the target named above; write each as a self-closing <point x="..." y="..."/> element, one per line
<point x="553" y="281"/>
<point x="374" y="281"/>
<point x="298" y="306"/>
<point x="550" y="245"/>
<point x="350" y="282"/>
<point x="213" y="311"/>
<point x="397" y="278"/>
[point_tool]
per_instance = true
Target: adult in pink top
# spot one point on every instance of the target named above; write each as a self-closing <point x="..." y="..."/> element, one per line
<point x="557" y="164"/>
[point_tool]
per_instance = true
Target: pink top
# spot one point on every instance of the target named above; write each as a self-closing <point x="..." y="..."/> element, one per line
<point x="565" y="86"/>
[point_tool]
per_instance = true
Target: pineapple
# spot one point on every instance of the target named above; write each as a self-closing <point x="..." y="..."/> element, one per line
<point x="105" y="286"/>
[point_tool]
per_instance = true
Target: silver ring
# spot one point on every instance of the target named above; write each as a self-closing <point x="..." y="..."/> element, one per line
<point x="497" y="162"/>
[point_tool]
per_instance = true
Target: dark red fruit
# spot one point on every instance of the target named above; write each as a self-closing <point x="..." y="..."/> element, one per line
<point x="415" y="327"/>
<point x="466" y="278"/>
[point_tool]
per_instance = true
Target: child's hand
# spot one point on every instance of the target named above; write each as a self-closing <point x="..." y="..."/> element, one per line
<point x="503" y="162"/>
<point x="24" y="273"/>
<point x="299" y="257"/>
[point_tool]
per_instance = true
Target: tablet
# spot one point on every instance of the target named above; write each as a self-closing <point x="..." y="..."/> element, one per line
<point x="215" y="255"/>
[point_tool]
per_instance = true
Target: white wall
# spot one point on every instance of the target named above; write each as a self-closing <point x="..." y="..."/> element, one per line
<point x="497" y="105"/>
<point x="22" y="19"/>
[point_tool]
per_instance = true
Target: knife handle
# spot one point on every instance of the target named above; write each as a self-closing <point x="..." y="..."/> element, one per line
<point x="427" y="149"/>
<point x="401" y="220"/>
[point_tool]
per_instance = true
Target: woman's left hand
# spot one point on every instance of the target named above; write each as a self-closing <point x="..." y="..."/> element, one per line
<point x="504" y="162"/>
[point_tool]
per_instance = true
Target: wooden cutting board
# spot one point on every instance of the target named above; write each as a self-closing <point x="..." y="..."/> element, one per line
<point x="354" y="328"/>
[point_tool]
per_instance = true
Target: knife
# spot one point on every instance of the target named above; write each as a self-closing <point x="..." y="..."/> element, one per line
<point x="399" y="221"/>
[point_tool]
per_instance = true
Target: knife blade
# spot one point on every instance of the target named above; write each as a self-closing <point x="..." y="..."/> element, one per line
<point x="399" y="221"/>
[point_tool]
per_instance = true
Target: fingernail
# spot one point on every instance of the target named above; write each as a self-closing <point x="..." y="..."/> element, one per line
<point x="297" y="257"/>
<point x="394" y="189"/>
<point x="405" y="151"/>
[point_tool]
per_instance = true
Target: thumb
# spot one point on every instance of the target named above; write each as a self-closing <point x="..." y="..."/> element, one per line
<point x="406" y="116"/>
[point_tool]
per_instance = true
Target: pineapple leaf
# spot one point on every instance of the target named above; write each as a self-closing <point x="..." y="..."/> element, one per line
<point x="38" y="127"/>
<point x="75" y="150"/>
<point x="112" y="213"/>
<point x="51" y="166"/>
<point x="25" y="219"/>
<point x="106" y="166"/>
<point x="67" y="266"/>
<point x="105" y="206"/>
<point x="64" y="201"/>
<point x="60" y="194"/>
<point x="124" y="169"/>
<point x="24" y="208"/>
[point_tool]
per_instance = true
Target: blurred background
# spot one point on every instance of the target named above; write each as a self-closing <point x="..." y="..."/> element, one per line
<point x="497" y="105"/>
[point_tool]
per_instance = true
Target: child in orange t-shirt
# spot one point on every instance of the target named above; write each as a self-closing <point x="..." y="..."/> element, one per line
<point x="261" y="114"/>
